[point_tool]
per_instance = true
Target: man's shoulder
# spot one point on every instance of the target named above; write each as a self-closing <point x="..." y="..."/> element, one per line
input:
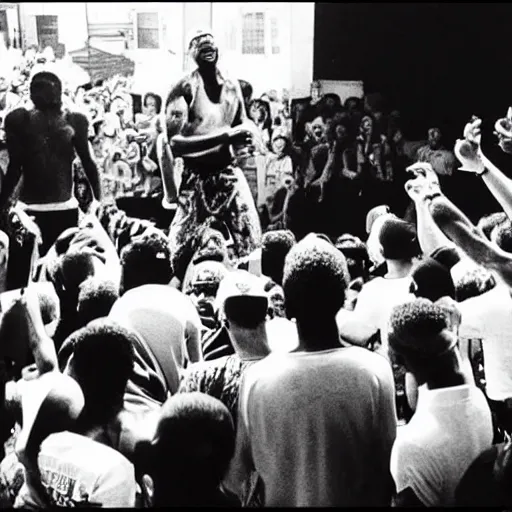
<point x="77" y="446"/>
<point x="17" y="116"/>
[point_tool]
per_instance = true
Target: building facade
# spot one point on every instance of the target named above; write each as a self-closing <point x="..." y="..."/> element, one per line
<point x="268" y="44"/>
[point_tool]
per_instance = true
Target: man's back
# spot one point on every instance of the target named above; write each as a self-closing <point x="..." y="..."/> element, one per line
<point x="320" y="427"/>
<point x="44" y="143"/>
<point x="77" y="471"/>
<point x="489" y="317"/>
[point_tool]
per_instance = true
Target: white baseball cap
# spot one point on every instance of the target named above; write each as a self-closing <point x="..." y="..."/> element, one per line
<point x="240" y="283"/>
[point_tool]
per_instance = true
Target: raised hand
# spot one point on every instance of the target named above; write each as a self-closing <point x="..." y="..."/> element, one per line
<point x="468" y="150"/>
<point x="424" y="184"/>
<point x="503" y="130"/>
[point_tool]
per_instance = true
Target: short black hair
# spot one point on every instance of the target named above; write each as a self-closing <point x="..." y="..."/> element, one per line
<point x="145" y="261"/>
<point x="74" y="269"/>
<point x="247" y="312"/>
<point x="412" y="326"/>
<point x="46" y="91"/>
<point x="433" y="280"/>
<point x="157" y="98"/>
<point x="315" y="279"/>
<point x="195" y="439"/>
<point x="503" y="236"/>
<point x="102" y="362"/>
<point x="275" y="245"/>
<point x="474" y="283"/>
<point x="95" y="300"/>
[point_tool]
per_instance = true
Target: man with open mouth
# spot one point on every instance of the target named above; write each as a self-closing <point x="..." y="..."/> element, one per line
<point x="206" y="126"/>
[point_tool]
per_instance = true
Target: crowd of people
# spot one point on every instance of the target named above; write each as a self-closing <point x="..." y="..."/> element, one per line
<point x="320" y="325"/>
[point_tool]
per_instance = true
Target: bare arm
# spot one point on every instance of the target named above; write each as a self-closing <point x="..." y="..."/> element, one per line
<point x="474" y="160"/>
<point x="430" y="236"/>
<point x="471" y="240"/>
<point x="82" y="147"/>
<point x="15" y="150"/>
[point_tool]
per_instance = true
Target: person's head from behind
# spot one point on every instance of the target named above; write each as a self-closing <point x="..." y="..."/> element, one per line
<point x="398" y="240"/>
<point x="190" y="452"/>
<point x="432" y="281"/>
<point x="502" y="236"/>
<point x="95" y="300"/>
<point x="242" y="304"/>
<point x="204" y="286"/>
<point x="356" y="254"/>
<point x="46" y="91"/>
<point x="275" y="246"/>
<point x="145" y="261"/>
<point x="420" y="337"/>
<point x="152" y="104"/>
<point x="71" y="271"/>
<point x="101" y="361"/>
<point x="315" y="280"/>
<point x="55" y="408"/>
<point x="473" y="283"/>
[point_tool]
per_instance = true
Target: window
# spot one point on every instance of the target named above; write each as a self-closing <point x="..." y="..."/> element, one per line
<point x="148" y="33"/>
<point x="47" y="31"/>
<point x="253" y="34"/>
<point x="274" y="36"/>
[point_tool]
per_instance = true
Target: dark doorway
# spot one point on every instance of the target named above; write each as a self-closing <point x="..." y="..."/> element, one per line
<point x="47" y="32"/>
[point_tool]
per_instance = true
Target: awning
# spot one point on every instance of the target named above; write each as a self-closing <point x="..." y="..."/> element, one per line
<point x="102" y="65"/>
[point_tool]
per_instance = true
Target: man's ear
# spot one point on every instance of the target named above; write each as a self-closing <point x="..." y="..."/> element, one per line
<point x="148" y="491"/>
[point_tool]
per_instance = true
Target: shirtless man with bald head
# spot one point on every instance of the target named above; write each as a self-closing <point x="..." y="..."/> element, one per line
<point x="41" y="143"/>
<point x="206" y="123"/>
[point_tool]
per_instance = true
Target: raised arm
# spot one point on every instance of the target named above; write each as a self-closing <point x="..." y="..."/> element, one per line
<point x="430" y="237"/>
<point x="470" y="153"/>
<point x="469" y="239"/>
<point x="82" y="147"/>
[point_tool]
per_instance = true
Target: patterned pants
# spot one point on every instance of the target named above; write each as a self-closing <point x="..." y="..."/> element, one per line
<point x="207" y="199"/>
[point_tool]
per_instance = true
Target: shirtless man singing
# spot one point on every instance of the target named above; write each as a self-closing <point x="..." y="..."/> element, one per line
<point x="205" y="118"/>
<point x="41" y="144"/>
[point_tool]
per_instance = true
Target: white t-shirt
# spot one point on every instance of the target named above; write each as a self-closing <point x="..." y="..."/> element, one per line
<point x="489" y="317"/>
<point x="450" y="428"/>
<point x="319" y="428"/>
<point x="376" y="301"/>
<point x="76" y="470"/>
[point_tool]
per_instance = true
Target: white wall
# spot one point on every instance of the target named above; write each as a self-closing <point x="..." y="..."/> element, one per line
<point x="71" y="22"/>
<point x="302" y="21"/>
<point x="292" y="68"/>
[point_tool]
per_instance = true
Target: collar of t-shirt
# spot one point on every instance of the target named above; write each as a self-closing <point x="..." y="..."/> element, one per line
<point x="429" y="399"/>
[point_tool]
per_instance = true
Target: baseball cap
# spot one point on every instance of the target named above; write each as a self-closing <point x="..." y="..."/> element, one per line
<point x="240" y="283"/>
<point x="198" y="32"/>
